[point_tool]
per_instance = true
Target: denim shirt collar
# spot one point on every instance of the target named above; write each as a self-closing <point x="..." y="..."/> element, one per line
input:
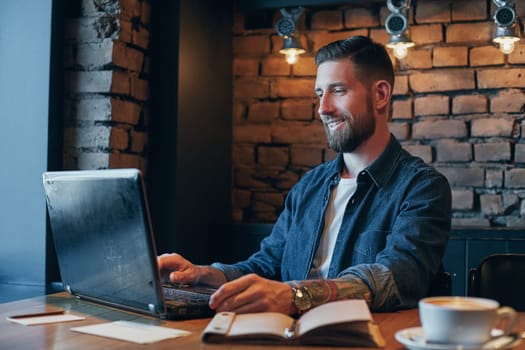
<point x="380" y="169"/>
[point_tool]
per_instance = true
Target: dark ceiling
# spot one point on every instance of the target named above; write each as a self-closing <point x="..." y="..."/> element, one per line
<point x="267" y="4"/>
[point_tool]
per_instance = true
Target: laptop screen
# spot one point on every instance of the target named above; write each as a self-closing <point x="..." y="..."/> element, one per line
<point x="101" y="229"/>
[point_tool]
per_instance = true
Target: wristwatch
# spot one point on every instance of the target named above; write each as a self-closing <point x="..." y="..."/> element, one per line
<point x="302" y="299"/>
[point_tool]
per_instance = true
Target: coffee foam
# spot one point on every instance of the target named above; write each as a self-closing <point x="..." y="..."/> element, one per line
<point x="461" y="304"/>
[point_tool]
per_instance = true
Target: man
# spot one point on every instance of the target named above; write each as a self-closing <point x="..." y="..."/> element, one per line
<point x="372" y="223"/>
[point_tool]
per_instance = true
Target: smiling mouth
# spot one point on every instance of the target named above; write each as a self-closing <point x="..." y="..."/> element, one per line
<point x="335" y="124"/>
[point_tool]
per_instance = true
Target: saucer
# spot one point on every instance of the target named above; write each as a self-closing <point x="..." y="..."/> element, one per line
<point x="414" y="339"/>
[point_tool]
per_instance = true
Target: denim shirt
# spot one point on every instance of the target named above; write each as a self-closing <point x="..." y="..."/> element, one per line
<point x="392" y="238"/>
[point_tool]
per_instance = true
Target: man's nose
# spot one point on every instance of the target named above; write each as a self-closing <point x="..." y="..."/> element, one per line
<point x="325" y="105"/>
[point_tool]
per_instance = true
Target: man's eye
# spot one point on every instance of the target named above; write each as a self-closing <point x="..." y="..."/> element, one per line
<point x="338" y="91"/>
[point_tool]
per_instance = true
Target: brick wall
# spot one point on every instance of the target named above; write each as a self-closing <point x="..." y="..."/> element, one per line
<point x="458" y="103"/>
<point x="106" y="68"/>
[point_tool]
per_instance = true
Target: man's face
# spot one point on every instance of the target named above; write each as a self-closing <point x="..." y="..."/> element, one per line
<point x="345" y="106"/>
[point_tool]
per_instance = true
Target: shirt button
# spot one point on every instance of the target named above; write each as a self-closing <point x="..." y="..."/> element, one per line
<point x="352" y="200"/>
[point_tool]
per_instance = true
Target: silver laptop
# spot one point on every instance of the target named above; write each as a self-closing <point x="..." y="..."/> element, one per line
<point x="105" y="245"/>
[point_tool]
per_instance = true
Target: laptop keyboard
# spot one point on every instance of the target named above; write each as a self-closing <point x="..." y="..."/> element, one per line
<point x="187" y="294"/>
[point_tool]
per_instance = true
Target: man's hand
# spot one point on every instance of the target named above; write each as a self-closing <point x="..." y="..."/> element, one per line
<point x="252" y="293"/>
<point x="179" y="270"/>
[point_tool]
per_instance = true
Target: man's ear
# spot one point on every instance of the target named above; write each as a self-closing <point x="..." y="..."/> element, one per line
<point x="382" y="94"/>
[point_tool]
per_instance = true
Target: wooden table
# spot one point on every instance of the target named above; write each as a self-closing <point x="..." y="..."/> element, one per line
<point x="59" y="336"/>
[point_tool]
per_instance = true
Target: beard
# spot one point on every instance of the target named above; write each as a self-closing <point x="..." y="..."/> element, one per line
<point x="356" y="130"/>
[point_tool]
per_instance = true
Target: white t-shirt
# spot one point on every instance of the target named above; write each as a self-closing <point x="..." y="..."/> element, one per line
<point x="333" y="218"/>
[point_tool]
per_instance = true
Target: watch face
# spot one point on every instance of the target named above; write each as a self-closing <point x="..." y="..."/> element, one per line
<point x="285" y="26"/>
<point x="302" y="299"/>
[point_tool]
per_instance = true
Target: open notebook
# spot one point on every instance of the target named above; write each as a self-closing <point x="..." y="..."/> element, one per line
<point x="105" y="245"/>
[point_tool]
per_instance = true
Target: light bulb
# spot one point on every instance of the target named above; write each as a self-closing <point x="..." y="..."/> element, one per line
<point x="400" y="51"/>
<point x="506" y="44"/>
<point x="291" y="57"/>
<point x="292" y="54"/>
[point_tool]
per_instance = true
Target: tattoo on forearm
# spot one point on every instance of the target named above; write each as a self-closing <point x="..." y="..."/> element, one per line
<point x="323" y="291"/>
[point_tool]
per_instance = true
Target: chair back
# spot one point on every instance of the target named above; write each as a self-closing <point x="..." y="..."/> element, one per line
<point x="500" y="277"/>
<point x="441" y="285"/>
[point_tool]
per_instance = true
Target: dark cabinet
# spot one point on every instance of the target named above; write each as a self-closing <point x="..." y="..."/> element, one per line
<point x="467" y="247"/>
<point x="454" y="263"/>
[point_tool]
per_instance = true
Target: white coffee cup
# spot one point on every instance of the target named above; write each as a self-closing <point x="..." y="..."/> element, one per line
<point x="464" y="320"/>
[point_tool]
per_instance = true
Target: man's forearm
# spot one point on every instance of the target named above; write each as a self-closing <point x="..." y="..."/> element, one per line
<point x="323" y="291"/>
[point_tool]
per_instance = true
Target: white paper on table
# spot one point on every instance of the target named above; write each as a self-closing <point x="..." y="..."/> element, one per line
<point x="132" y="331"/>
<point x="31" y="321"/>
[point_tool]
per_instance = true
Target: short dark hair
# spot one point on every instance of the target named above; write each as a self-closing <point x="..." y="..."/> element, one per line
<point x="371" y="60"/>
